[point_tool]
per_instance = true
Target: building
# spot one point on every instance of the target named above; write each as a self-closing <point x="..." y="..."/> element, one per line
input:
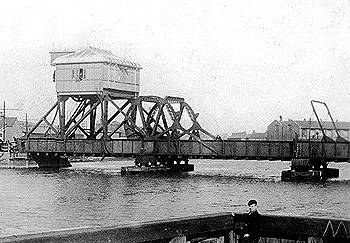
<point x="115" y="129"/>
<point x="311" y="129"/>
<point x="257" y="136"/>
<point x="238" y="136"/>
<point x="12" y="128"/>
<point x="42" y="130"/>
<point x="91" y="70"/>
<point x="246" y="136"/>
<point x="306" y="129"/>
<point x="282" y="130"/>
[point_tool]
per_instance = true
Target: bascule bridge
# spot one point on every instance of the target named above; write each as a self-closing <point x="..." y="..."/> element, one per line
<point x="98" y="98"/>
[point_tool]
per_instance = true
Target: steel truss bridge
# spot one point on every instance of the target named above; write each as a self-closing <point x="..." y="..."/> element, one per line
<point x="160" y="133"/>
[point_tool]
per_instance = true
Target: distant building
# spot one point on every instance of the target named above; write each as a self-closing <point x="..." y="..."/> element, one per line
<point x="246" y="136"/>
<point x="43" y="130"/>
<point x="311" y="129"/>
<point x="257" y="136"/>
<point x="282" y="130"/>
<point x="224" y="136"/>
<point x="238" y="136"/>
<point x="120" y="132"/>
<point x="12" y="128"/>
<point x="305" y="129"/>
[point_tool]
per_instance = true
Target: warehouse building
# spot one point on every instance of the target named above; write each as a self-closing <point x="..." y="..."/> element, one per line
<point x="305" y="129"/>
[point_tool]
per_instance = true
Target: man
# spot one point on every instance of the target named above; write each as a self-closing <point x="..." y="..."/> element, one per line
<point x="252" y="229"/>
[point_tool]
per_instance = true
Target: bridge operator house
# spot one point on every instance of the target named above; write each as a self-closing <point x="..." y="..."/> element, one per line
<point x="92" y="70"/>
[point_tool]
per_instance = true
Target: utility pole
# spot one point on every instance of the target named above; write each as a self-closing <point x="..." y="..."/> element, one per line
<point x="26" y="124"/>
<point x="4" y="123"/>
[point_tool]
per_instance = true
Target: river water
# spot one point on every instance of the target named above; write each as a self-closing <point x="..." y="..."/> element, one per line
<point x="95" y="194"/>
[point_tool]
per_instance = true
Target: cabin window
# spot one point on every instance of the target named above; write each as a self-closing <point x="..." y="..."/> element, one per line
<point x="81" y="74"/>
<point x="124" y="72"/>
<point x="304" y="133"/>
<point x="78" y="74"/>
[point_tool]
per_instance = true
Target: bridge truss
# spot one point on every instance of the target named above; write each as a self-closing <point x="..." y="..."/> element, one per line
<point x="105" y="117"/>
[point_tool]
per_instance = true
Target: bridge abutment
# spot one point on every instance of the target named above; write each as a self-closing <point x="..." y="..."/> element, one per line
<point x="50" y="161"/>
<point x="309" y="169"/>
<point x="155" y="164"/>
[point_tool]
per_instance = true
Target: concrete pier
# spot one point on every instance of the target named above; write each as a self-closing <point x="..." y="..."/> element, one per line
<point x="152" y="164"/>
<point x="49" y="161"/>
<point x="309" y="169"/>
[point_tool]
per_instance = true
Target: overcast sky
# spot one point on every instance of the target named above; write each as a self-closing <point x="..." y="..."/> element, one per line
<point x="240" y="64"/>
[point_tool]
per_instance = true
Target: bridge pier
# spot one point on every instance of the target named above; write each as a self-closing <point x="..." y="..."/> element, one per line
<point x="50" y="161"/>
<point x="310" y="170"/>
<point x="155" y="164"/>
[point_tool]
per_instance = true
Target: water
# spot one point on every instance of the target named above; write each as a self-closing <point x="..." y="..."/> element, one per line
<point x="95" y="194"/>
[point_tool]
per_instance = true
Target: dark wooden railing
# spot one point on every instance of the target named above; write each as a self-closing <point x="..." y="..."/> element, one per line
<point x="222" y="227"/>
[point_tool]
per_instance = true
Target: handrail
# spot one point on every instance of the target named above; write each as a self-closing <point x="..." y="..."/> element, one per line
<point x="330" y="115"/>
<point x="229" y="227"/>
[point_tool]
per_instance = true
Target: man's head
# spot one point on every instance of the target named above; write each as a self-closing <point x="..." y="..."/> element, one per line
<point x="253" y="206"/>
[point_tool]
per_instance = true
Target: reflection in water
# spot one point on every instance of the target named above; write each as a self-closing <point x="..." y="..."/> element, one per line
<point x="91" y="194"/>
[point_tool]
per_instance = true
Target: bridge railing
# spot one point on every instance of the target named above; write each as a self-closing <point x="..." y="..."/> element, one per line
<point x="193" y="149"/>
<point x="330" y="151"/>
<point x="86" y="146"/>
<point x="240" y="149"/>
<point x="221" y="227"/>
<point x="227" y="148"/>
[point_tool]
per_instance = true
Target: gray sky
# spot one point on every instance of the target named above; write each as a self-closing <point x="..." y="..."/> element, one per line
<point x="240" y="64"/>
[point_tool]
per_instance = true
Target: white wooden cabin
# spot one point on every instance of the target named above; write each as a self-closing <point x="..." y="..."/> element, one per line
<point x="91" y="71"/>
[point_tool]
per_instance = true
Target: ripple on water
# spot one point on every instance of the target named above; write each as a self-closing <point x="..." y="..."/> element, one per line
<point x="91" y="194"/>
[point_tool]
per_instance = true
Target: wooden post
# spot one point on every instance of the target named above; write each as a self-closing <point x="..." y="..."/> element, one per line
<point x="104" y="105"/>
<point x="229" y="237"/>
<point x="92" y="119"/>
<point x="62" y="115"/>
<point x="314" y="240"/>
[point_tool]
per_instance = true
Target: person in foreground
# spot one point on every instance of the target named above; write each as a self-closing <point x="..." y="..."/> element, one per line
<point x="251" y="233"/>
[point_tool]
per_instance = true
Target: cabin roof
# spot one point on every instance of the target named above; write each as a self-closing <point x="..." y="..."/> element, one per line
<point x="94" y="55"/>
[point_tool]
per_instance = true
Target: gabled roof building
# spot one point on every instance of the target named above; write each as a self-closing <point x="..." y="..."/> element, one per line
<point x="306" y="129"/>
<point x="91" y="70"/>
<point x="12" y="128"/>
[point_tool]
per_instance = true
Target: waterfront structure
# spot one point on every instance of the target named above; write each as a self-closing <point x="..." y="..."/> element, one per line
<point x="103" y="90"/>
<point x="162" y="133"/>
<point x="305" y="129"/>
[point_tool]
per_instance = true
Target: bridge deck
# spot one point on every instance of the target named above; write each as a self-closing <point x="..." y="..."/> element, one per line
<point x="226" y="149"/>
